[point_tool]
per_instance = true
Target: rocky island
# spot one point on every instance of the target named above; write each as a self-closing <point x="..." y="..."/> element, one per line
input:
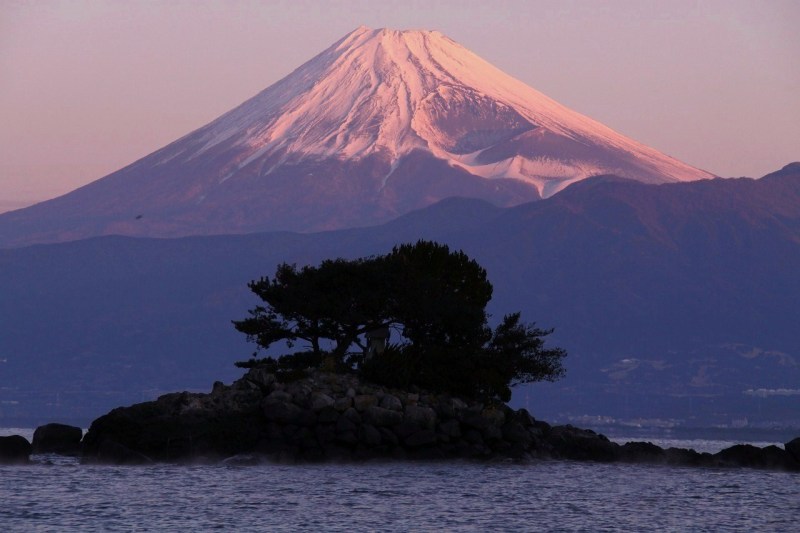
<point x="337" y="418"/>
<point x="440" y="393"/>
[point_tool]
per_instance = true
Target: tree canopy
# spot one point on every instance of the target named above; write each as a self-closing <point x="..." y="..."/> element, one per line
<point x="433" y="301"/>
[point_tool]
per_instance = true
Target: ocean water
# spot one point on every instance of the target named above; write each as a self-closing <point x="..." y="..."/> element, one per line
<point x="58" y="494"/>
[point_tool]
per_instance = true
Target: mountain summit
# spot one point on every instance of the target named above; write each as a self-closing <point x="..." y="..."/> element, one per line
<point x="380" y="123"/>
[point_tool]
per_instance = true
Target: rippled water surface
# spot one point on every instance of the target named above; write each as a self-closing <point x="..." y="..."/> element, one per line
<point x="65" y="496"/>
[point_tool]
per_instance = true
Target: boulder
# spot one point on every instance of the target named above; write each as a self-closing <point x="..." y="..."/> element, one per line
<point x="406" y="428"/>
<point x="352" y="415"/>
<point x="684" y="457"/>
<point x="271" y="441"/>
<point x="346" y="425"/>
<point x="389" y="401"/>
<point x="343" y="404"/>
<point x="279" y="396"/>
<point x="57" y="438"/>
<point x="473" y="436"/>
<point x="642" y="452"/>
<point x="473" y="418"/>
<point x="446" y="407"/>
<point x="515" y="432"/>
<point x="114" y="453"/>
<point x="179" y="427"/>
<point x="388" y="437"/>
<point x="14" y="450"/>
<point x="500" y="447"/>
<point x="451" y="428"/>
<point x="582" y="444"/>
<point x="492" y="433"/>
<point x="496" y="417"/>
<point x="378" y="416"/>
<point x="770" y="457"/>
<point x="347" y="437"/>
<point x="793" y="448"/>
<point x="370" y="435"/>
<point x="287" y="413"/>
<point x="424" y="417"/>
<point x="300" y="391"/>
<point x="364" y="401"/>
<point x="739" y="455"/>
<point x="320" y="400"/>
<point x="219" y="388"/>
<point x="305" y="438"/>
<point x="262" y="379"/>
<point x="328" y="415"/>
<point x="424" y="437"/>
<point x="522" y="416"/>
<point x="540" y="428"/>
<point x="326" y="434"/>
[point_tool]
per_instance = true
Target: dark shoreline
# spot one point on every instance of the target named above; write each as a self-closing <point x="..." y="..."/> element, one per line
<point x="330" y="418"/>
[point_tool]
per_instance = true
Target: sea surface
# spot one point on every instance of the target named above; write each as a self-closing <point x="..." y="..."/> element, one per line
<point x="58" y="494"/>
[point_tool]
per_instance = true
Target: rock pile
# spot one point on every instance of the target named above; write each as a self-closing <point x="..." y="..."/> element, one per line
<point x="323" y="417"/>
<point x="332" y="417"/>
<point x="57" y="438"/>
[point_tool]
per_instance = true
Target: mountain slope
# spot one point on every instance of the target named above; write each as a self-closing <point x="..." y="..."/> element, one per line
<point x="674" y="301"/>
<point x="381" y="123"/>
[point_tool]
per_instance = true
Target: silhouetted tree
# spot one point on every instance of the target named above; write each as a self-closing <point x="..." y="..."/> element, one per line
<point x="433" y="298"/>
<point x="329" y="307"/>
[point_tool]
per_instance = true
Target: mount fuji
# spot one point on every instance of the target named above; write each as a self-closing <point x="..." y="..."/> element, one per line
<point x="381" y="123"/>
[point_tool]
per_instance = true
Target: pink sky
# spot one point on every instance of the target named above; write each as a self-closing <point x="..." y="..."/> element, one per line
<point x="89" y="87"/>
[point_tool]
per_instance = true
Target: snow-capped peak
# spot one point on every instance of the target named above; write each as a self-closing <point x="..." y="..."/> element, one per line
<point x="380" y="123"/>
<point x="389" y="92"/>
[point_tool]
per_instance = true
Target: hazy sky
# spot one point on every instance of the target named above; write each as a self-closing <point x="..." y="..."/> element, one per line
<point x="88" y="87"/>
